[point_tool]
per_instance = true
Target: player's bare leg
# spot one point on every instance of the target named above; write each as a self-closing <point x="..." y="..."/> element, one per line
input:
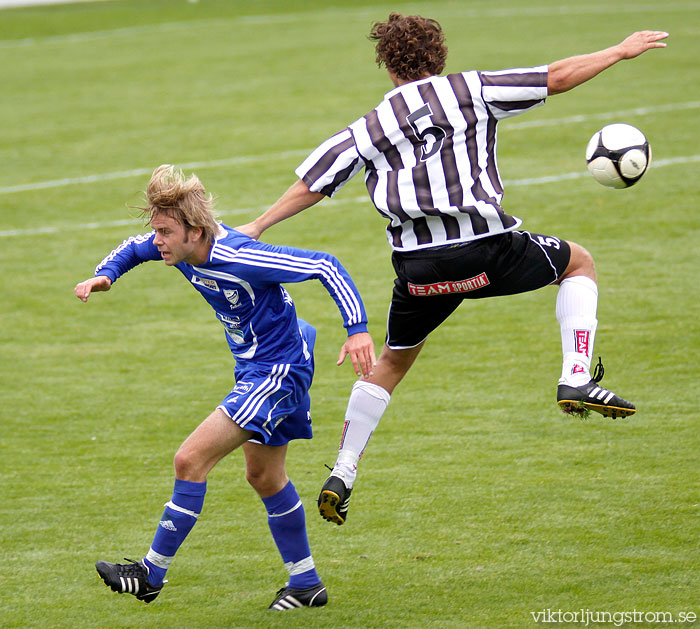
<point x="392" y="366"/>
<point x="577" y="302"/>
<point x="213" y="439"/>
<point x="265" y="468"/>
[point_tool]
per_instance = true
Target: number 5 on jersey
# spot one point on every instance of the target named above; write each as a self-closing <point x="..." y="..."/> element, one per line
<point x="431" y="137"/>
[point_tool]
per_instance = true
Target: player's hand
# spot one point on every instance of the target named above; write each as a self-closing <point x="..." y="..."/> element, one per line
<point x="361" y="350"/>
<point x="100" y="283"/>
<point x="250" y="229"/>
<point x="639" y="42"/>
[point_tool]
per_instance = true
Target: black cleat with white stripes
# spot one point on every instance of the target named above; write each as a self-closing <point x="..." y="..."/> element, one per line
<point x="129" y="578"/>
<point x="291" y="598"/>
<point x="334" y="500"/>
<point x="593" y="397"/>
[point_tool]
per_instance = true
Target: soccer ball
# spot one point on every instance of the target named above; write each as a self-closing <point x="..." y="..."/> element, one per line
<point x="618" y="155"/>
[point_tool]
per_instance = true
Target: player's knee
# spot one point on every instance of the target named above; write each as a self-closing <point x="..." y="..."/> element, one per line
<point x="257" y="476"/>
<point x="187" y="466"/>
<point x="392" y="361"/>
<point x="580" y="263"/>
<point x="396" y="363"/>
<point x="265" y="480"/>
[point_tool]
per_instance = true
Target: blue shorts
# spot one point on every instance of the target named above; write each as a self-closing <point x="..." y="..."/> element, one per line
<point x="273" y="400"/>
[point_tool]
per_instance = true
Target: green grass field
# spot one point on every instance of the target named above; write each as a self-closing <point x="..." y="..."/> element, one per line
<point x="478" y="502"/>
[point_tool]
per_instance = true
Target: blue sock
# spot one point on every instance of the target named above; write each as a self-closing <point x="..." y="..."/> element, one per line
<point x="179" y="517"/>
<point x="285" y="515"/>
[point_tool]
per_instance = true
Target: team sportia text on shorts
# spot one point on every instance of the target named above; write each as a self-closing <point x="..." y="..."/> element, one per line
<point x="431" y="283"/>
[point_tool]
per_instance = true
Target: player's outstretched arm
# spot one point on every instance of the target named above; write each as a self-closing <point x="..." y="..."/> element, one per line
<point x="360" y="348"/>
<point x="297" y="198"/>
<point x="94" y="284"/>
<point x="568" y="73"/>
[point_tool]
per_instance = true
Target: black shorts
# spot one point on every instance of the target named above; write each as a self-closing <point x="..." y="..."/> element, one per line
<point x="431" y="283"/>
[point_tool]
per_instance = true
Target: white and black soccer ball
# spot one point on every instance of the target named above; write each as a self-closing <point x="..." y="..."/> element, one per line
<point x="618" y="155"/>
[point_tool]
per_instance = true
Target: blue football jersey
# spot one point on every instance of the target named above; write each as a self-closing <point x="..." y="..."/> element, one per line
<point x="242" y="281"/>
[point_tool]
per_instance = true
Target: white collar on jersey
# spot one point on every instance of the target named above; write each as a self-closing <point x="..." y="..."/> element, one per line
<point x="221" y="233"/>
<point x="416" y="82"/>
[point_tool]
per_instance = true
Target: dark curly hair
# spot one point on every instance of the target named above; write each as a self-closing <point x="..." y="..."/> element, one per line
<point x="410" y="46"/>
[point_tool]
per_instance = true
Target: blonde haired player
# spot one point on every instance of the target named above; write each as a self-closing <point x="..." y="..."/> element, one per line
<point x="241" y="279"/>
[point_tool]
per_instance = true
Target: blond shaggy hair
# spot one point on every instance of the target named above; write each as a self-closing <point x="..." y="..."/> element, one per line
<point x="185" y="200"/>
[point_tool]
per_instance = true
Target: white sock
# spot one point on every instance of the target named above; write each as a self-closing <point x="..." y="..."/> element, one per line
<point x="366" y="406"/>
<point x="577" y="303"/>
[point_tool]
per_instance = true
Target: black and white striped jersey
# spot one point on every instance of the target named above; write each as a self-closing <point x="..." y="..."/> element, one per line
<point x="429" y="153"/>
